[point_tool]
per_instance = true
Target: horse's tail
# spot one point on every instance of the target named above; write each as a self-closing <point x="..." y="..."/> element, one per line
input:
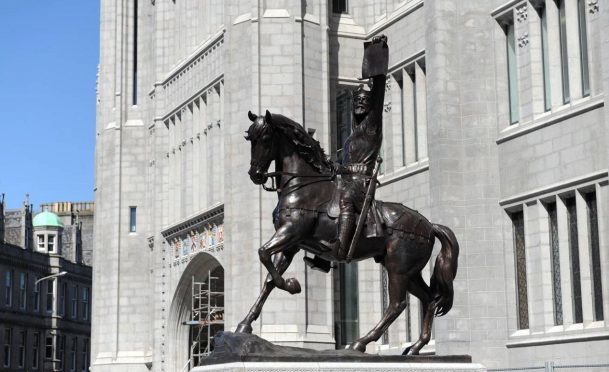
<point x="445" y="269"/>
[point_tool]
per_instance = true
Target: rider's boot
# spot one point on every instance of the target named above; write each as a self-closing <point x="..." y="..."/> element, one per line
<point x="345" y="235"/>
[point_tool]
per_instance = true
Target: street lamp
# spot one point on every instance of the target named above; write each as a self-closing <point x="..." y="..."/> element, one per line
<point x="62" y="273"/>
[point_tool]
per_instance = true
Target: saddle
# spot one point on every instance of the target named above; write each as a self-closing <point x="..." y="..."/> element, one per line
<point x="387" y="218"/>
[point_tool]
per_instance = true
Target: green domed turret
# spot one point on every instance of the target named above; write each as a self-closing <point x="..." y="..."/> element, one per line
<point x="47" y="218"/>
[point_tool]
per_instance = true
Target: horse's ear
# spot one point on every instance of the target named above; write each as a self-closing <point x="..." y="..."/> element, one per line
<point x="268" y="117"/>
<point x="251" y="116"/>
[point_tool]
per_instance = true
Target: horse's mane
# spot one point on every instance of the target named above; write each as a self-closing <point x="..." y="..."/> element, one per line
<point x="308" y="147"/>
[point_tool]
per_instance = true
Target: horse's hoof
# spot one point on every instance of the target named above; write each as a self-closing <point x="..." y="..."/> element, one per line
<point x="292" y="285"/>
<point x="410" y="351"/>
<point x="358" y="346"/>
<point x="243" y="328"/>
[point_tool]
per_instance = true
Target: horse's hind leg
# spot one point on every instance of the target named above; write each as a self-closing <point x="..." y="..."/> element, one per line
<point x="420" y="289"/>
<point x="282" y="261"/>
<point x="397" y="304"/>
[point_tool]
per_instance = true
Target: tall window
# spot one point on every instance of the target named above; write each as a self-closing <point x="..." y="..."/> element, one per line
<point x="8" y="341"/>
<point x="339" y="6"/>
<point x="132" y="219"/>
<point x="50" y="295"/>
<point x="521" y="270"/>
<point x="555" y="256"/>
<point x="545" y="59"/>
<point x="512" y="74"/>
<point x="564" y="57"/>
<point x="597" y="287"/>
<point x="415" y="118"/>
<point x="22" y="291"/>
<point x="73" y="354"/>
<point x="74" y="302"/>
<point x="574" y="257"/>
<point x="349" y="308"/>
<point x="85" y="303"/>
<point x="61" y="348"/>
<point x="135" y="40"/>
<point x="21" y="350"/>
<point x="35" y="349"/>
<point x="583" y="47"/>
<point x="343" y="121"/>
<point x="36" y="294"/>
<point x="63" y="298"/>
<point x="8" y="288"/>
<point x="84" y="359"/>
<point x="49" y="347"/>
<point x="385" y="300"/>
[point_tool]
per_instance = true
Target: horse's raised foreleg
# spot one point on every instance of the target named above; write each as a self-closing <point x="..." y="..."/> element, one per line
<point x="420" y="289"/>
<point x="397" y="304"/>
<point x="284" y="239"/>
<point x="282" y="262"/>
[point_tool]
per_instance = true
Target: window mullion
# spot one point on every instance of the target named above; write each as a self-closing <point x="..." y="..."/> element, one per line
<point x="585" y="261"/>
<point x="554" y="56"/>
<point x="602" y="195"/>
<point x="397" y="121"/>
<point x="536" y="46"/>
<point x="573" y="50"/>
<point x="421" y="112"/>
<point x="545" y="272"/>
<point x="522" y="98"/>
<point x="408" y="91"/>
<point x="565" y="264"/>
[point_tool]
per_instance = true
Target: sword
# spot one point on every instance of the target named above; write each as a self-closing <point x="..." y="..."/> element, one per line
<point x="365" y="207"/>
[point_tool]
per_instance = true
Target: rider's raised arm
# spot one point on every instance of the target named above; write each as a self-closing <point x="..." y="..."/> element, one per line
<point x="374" y="66"/>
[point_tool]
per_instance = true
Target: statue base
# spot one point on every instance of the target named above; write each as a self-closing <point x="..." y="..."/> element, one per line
<point x="240" y="352"/>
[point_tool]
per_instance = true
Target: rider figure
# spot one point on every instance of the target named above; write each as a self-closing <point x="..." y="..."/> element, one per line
<point x="360" y="150"/>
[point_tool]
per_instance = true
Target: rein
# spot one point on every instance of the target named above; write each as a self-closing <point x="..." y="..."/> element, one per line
<point x="275" y="175"/>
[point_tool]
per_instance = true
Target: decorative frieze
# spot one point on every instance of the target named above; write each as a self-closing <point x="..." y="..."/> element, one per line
<point x="202" y="233"/>
<point x="208" y="239"/>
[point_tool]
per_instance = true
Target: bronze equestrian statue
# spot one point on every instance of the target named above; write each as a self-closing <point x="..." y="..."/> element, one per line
<point x="397" y="237"/>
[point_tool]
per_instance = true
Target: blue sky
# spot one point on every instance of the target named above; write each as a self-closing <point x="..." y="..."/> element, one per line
<point x="48" y="61"/>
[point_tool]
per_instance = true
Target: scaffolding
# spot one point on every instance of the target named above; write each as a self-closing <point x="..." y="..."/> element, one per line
<point x="207" y="314"/>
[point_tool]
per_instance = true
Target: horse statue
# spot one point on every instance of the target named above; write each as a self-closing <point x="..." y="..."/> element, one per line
<point x="306" y="183"/>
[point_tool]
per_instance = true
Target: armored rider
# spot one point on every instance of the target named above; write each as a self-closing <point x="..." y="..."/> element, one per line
<point x="361" y="148"/>
<point x="363" y="145"/>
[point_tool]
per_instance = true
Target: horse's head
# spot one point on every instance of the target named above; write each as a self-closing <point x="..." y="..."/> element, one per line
<point x="262" y="137"/>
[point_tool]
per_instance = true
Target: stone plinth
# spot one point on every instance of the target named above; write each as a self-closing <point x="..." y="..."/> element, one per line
<point x="340" y="367"/>
<point x="238" y="352"/>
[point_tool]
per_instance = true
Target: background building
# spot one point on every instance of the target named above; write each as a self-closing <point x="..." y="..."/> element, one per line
<point x="45" y="313"/>
<point x="494" y="125"/>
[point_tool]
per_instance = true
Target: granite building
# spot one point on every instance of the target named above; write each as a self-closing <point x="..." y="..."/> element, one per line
<point x="494" y="125"/>
<point x="45" y="313"/>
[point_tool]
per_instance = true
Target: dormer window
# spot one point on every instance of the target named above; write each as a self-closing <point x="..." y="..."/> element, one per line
<point x="48" y="229"/>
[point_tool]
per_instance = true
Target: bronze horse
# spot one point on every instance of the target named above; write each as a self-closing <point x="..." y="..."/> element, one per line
<point x="306" y="185"/>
